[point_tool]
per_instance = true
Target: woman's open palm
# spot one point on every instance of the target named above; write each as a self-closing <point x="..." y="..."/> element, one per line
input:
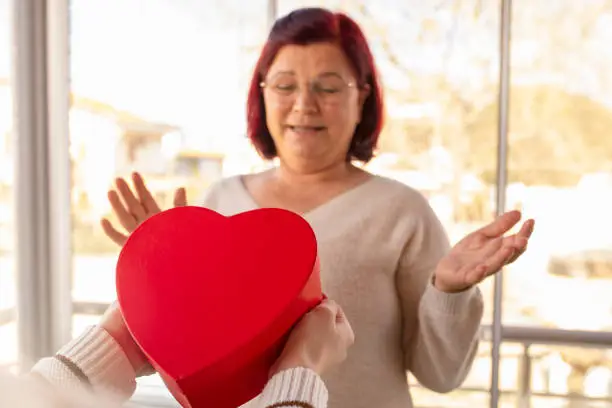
<point x="133" y="207"/>
<point x="483" y="253"/>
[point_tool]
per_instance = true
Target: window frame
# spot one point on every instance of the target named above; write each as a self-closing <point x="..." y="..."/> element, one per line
<point x="41" y="99"/>
<point x="42" y="176"/>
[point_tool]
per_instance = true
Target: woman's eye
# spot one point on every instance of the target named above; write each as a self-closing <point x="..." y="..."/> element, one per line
<point x="285" y="87"/>
<point x="328" y="88"/>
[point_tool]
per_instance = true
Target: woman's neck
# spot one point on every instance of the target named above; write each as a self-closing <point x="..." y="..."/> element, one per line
<point x="287" y="176"/>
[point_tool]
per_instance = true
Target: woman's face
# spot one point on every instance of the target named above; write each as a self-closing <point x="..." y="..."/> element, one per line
<point x="313" y="105"/>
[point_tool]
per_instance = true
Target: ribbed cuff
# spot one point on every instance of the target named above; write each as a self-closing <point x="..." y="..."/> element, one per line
<point x="299" y="387"/>
<point x="450" y="303"/>
<point x="93" y="359"/>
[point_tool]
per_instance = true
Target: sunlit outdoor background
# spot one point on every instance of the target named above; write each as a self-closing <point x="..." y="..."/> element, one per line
<point x="159" y="86"/>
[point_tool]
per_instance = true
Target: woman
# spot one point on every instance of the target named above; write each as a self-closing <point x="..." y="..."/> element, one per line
<point x="315" y="104"/>
<point x="99" y="368"/>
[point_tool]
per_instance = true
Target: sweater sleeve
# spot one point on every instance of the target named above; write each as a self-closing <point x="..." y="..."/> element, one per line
<point x="440" y="330"/>
<point x="93" y="360"/>
<point x="294" y="388"/>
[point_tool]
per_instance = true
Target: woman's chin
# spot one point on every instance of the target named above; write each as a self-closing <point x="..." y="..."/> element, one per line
<point x="305" y="149"/>
<point x="307" y="154"/>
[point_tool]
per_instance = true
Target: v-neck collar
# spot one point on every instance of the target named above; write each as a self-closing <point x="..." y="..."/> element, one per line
<point x="345" y="195"/>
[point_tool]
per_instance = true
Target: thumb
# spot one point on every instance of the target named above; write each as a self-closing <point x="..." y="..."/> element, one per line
<point x="344" y="326"/>
<point x="180" y="197"/>
<point x="329" y="309"/>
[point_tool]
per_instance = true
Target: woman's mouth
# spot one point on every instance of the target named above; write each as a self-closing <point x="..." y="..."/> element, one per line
<point x="306" y="130"/>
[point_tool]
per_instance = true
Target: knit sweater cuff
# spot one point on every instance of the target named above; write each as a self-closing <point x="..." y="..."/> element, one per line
<point x="93" y="360"/>
<point x="297" y="387"/>
<point x="450" y="303"/>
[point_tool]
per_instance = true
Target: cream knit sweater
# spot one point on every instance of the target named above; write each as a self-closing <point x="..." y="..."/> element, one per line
<point x="95" y="362"/>
<point x="379" y="244"/>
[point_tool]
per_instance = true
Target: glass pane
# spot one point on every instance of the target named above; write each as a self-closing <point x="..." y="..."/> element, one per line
<point x="8" y="328"/>
<point x="555" y="377"/>
<point x="439" y="65"/>
<point x="163" y="93"/>
<point x="560" y="170"/>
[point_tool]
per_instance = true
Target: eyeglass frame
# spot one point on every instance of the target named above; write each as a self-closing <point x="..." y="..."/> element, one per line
<point x="349" y="84"/>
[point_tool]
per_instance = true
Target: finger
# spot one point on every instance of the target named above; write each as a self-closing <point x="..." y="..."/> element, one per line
<point x="516" y="242"/>
<point x="346" y="333"/>
<point x="475" y="274"/>
<point x="110" y="231"/>
<point x="327" y="311"/>
<point x="110" y="309"/>
<point x="513" y="255"/>
<point x="125" y="217"/>
<point x="340" y="316"/>
<point x="113" y="306"/>
<point x="344" y="327"/>
<point x="180" y="197"/>
<point x="132" y="204"/>
<point x="491" y="247"/>
<point x="497" y="261"/>
<point x="527" y="229"/>
<point x="516" y="255"/>
<point x="501" y="225"/>
<point x="519" y="241"/>
<point x="144" y="195"/>
<point x="328" y="306"/>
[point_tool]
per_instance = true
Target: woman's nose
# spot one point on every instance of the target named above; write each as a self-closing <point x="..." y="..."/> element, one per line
<point x="305" y="100"/>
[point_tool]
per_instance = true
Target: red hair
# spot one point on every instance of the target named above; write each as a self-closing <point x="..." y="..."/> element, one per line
<point x="316" y="25"/>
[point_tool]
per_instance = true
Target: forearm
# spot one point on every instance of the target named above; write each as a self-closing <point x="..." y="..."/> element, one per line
<point x="295" y="388"/>
<point x="446" y="340"/>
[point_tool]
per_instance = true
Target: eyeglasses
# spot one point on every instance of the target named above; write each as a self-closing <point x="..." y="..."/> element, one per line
<point x="329" y="89"/>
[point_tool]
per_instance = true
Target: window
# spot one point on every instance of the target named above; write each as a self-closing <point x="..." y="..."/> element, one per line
<point x="439" y="66"/>
<point x="162" y="92"/>
<point x="559" y="171"/>
<point x="8" y="325"/>
<point x="561" y="110"/>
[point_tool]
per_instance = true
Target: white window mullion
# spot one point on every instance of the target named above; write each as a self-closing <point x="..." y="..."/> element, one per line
<point x="60" y="181"/>
<point x="42" y="191"/>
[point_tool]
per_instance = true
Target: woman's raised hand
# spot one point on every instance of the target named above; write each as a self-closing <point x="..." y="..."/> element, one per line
<point x="133" y="207"/>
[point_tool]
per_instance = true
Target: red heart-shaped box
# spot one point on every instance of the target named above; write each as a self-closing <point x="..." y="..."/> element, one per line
<point x="211" y="299"/>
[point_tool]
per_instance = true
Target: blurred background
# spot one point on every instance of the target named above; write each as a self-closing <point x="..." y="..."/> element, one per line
<point x="105" y="87"/>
